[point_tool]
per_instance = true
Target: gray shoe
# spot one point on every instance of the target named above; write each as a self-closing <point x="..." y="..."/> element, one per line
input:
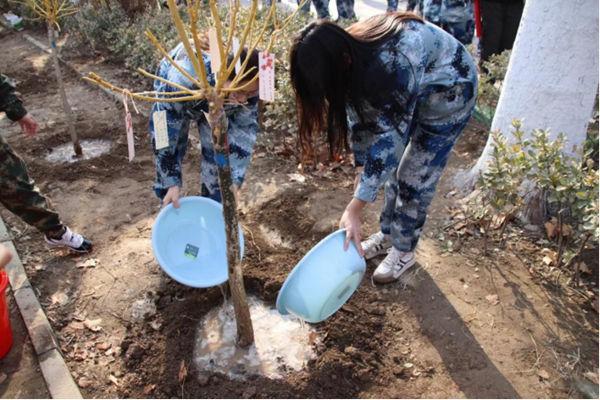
<point x="394" y="265"/>
<point x="376" y="244"/>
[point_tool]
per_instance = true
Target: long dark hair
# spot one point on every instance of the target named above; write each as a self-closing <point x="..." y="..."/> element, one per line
<point x="329" y="72"/>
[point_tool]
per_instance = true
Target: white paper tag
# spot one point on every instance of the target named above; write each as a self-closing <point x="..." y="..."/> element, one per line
<point x="215" y="54"/>
<point x="266" y="77"/>
<point x="130" y="142"/>
<point x="236" y="47"/>
<point x="161" y="133"/>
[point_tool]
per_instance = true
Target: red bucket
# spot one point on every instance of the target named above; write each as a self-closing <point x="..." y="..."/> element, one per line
<point x="6" y="338"/>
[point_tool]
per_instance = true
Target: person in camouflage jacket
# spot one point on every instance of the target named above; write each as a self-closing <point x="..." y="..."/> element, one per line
<point x="18" y="192"/>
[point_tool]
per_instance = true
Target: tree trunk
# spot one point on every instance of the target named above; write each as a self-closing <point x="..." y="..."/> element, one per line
<point x="218" y="123"/>
<point x="552" y="76"/>
<point x="63" y="95"/>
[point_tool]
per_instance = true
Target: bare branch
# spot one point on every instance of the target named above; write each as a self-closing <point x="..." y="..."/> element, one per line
<point x="195" y="60"/>
<point x="166" y="55"/>
<point x="244" y="37"/>
<point x="99" y="81"/>
<point x="158" y="78"/>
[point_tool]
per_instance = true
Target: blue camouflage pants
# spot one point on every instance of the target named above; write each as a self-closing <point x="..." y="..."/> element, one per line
<point x="411" y="5"/>
<point x="409" y="192"/>
<point x="462" y="31"/>
<point x="241" y="144"/>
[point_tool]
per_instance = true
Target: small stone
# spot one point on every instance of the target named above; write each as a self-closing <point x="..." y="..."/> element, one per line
<point x="203" y="379"/>
<point x="350" y="351"/>
<point x="363" y="375"/>
<point x="134" y="352"/>
<point x="125" y="345"/>
<point x="531" y="228"/>
<point x="249" y="393"/>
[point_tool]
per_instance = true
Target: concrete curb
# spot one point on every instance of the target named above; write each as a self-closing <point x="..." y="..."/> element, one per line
<point x="58" y="379"/>
<point x="114" y="96"/>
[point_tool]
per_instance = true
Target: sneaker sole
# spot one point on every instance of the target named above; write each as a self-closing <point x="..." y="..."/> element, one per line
<point x="391" y="279"/>
<point x="70" y="248"/>
<point x="377" y="253"/>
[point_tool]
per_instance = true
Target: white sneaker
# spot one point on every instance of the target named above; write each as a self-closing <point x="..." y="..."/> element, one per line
<point x="394" y="265"/>
<point x="72" y="241"/>
<point x="376" y="244"/>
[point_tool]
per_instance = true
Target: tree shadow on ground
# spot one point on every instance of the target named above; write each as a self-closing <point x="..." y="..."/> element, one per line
<point x="467" y="363"/>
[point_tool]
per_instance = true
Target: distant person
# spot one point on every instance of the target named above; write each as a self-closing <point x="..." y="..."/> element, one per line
<point x="457" y="17"/>
<point x="500" y="21"/>
<point x="18" y="192"/>
<point x="411" y="6"/>
<point x="345" y="8"/>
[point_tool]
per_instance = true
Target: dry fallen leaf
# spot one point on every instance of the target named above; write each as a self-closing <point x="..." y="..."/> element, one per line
<point x="182" y="372"/>
<point x="551" y="228"/>
<point x="595" y="305"/>
<point x="76" y="325"/>
<point x="155" y="325"/>
<point x="544" y="374"/>
<point x="93" y="324"/>
<point x="591" y="376"/>
<point x="548" y="261"/>
<point x="149" y="388"/>
<point x="84" y="382"/>
<point x="113" y="379"/>
<point x="104" y="346"/>
<point x="493" y="299"/>
<point x="59" y="298"/>
<point x="584" y="268"/>
<point x="92" y="262"/>
<point x="297" y="178"/>
<point x="3" y="377"/>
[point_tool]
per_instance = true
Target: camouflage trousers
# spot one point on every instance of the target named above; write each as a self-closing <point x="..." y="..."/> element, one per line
<point x="411" y="5"/>
<point x="345" y="8"/>
<point x="20" y="196"/>
<point x="462" y="31"/>
<point x="408" y="193"/>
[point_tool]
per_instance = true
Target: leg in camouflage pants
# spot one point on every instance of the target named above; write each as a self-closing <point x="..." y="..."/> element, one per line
<point x="19" y="194"/>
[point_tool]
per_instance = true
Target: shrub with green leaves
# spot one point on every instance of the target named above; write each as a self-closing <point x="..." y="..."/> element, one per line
<point x="490" y="86"/>
<point x="568" y="185"/>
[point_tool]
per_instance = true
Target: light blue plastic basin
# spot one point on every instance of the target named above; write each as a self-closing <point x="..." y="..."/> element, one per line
<point x="323" y="280"/>
<point x="189" y="242"/>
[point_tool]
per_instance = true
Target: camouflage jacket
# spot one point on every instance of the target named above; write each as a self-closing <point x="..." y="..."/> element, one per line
<point x="448" y="10"/>
<point x="435" y="78"/>
<point x="10" y="100"/>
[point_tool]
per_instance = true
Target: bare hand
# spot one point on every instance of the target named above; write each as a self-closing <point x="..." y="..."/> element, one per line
<point x="29" y="125"/>
<point x="351" y="222"/>
<point x="172" y="196"/>
<point x="5" y="257"/>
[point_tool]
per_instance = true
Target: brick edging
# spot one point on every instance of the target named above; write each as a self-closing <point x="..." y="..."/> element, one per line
<point x="58" y="378"/>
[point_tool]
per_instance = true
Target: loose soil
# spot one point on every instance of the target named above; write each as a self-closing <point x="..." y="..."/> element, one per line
<point x="433" y="334"/>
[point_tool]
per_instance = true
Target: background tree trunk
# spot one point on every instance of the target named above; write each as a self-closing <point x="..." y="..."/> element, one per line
<point x="63" y="94"/>
<point x="552" y="75"/>
<point x="218" y="123"/>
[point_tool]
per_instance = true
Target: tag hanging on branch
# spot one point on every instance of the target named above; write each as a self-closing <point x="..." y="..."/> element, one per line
<point x="215" y="53"/>
<point x="236" y="46"/>
<point x="266" y="76"/>
<point x="161" y="134"/>
<point x="128" y="124"/>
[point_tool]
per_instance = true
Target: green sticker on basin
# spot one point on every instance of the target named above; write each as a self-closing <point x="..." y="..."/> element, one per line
<point x="191" y="251"/>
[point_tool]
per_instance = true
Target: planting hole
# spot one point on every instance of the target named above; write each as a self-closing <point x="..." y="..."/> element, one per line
<point x="281" y="343"/>
<point x="91" y="149"/>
